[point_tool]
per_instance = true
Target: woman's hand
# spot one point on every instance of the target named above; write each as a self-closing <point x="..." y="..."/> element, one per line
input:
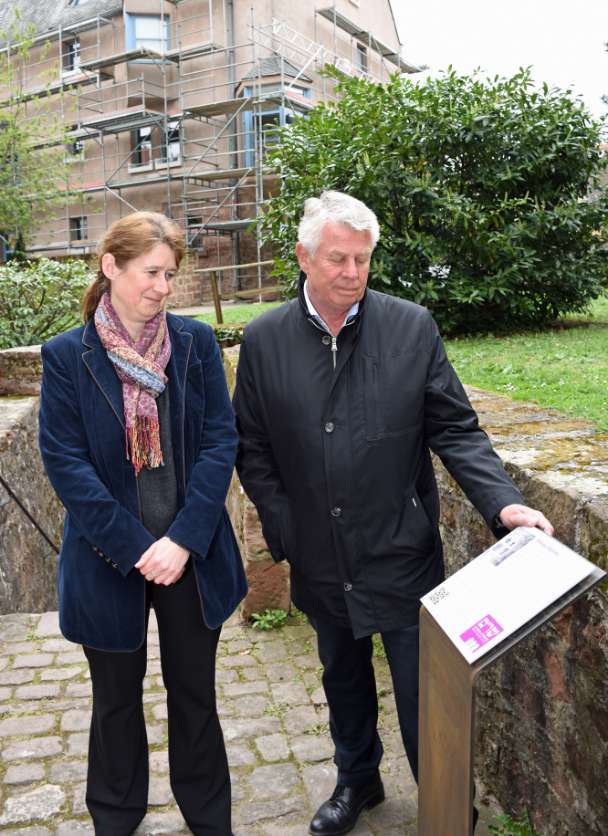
<point x="164" y="562"/>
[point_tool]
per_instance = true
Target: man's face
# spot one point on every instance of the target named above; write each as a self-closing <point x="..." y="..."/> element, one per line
<point x="337" y="272"/>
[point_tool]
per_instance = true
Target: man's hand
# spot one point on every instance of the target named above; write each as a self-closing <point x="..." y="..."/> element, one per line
<point x="163" y="562"/>
<point x="513" y="516"/>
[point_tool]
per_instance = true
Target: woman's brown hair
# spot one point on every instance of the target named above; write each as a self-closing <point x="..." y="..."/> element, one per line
<point x="129" y="238"/>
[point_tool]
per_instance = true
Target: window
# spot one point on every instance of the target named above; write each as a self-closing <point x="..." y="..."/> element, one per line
<point x="70" y="52"/>
<point x="170" y="149"/>
<point x="362" y="57"/>
<point x="78" y="229"/>
<point x="268" y="122"/>
<point x="74" y="151"/>
<point x="195" y="234"/>
<point x="147" y="32"/>
<point x="141" y="149"/>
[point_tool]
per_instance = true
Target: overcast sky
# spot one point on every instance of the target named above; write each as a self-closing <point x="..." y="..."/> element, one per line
<point x="563" y="40"/>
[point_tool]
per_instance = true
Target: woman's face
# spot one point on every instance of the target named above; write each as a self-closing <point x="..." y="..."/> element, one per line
<point x="139" y="288"/>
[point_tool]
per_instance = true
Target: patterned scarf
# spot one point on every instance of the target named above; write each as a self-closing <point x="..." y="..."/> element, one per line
<point x="141" y="368"/>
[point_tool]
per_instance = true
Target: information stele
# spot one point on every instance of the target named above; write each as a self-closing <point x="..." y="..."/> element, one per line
<point x="503" y="588"/>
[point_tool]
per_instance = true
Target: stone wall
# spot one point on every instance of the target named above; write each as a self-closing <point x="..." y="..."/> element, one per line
<point x="27" y="562"/>
<point x="20" y="370"/>
<point x="542" y="712"/>
<point x="268" y="581"/>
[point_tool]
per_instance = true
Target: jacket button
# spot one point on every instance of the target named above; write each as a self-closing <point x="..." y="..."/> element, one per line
<point x="329" y="427"/>
<point x="348" y="587"/>
<point x="336" y="512"/>
<point x="326" y="339"/>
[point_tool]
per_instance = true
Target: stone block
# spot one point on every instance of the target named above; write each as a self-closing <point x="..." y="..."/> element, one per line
<point x="24" y="773"/>
<point x="37" y="692"/>
<point x="26" y="725"/>
<point x="273" y="747"/>
<point x="33" y="747"/>
<point x="48" y="625"/>
<point x="76" y="720"/>
<point x="40" y="803"/>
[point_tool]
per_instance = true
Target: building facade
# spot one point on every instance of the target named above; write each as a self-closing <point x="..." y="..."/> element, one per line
<point x="173" y="105"/>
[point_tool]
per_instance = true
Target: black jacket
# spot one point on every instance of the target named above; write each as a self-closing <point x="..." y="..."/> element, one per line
<point x="337" y="460"/>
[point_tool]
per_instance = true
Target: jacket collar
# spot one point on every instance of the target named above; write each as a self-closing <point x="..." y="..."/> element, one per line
<point x="356" y="319"/>
<point x="102" y="371"/>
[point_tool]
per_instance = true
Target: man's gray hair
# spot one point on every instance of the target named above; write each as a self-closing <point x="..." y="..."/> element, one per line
<point x="338" y="208"/>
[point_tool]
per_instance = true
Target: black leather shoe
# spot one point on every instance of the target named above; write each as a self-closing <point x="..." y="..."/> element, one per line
<point x="340" y="813"/>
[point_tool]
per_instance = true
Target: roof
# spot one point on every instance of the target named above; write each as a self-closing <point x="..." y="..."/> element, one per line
<point x="44" y="16"/>
<point x="275" y="66"/>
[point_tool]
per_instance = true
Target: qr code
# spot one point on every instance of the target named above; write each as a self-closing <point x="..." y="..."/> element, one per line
<point x="438" y="595"/>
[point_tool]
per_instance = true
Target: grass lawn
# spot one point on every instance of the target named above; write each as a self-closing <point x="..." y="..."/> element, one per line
<point x="239" y="314"/>
<point x="565" y="367"/>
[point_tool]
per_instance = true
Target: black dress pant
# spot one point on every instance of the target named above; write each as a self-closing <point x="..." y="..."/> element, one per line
<point x="117" y="784"/>
<point x="350" y="689"/>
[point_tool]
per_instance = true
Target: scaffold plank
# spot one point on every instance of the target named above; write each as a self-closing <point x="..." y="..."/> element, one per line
<point x="227" y="106"/>
<point x="138" y="54"/>
<point x="228" y="226"/>
<point x="127" y="120"/>
<point x="194" y="51"/>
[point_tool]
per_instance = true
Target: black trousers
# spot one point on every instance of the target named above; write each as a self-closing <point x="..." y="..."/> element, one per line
<point x="350" y="688"/>
<point x="117" y="784"/>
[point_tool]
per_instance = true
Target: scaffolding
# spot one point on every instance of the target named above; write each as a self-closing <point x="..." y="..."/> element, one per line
<point x="182" y="120"/>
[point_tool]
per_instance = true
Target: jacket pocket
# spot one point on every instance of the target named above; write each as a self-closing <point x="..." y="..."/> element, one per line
<point x="413" y="530"/>
<point x="370" y="398"/>
<point x="392" y="396"/>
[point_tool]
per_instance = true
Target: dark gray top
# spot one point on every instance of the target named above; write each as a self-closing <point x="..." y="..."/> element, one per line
<point x="157" y="486"/>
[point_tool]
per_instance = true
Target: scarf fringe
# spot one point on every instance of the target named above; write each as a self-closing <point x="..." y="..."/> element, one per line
<point x="144" y="443"/>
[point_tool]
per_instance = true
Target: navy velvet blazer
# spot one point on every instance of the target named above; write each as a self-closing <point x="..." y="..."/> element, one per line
<point x="82" y="442"/>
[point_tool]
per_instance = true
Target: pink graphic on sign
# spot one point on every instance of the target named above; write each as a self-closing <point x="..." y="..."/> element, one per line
<point x="481" y="633"/>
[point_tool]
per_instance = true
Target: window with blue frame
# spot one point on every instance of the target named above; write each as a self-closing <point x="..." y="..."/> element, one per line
<point x="264" y="124"/>
<point x="147" y="32"/>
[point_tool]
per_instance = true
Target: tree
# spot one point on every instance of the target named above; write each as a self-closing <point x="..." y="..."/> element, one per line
<point x="40" y="299"/>
<point x="485" y="189"/>
<point x="32" y="152"/>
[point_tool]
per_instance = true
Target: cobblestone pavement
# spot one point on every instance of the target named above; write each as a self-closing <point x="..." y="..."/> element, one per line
<point x="273" y="714"/>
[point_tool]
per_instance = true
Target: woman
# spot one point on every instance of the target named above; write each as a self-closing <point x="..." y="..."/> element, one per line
<point x="137" y="437"/>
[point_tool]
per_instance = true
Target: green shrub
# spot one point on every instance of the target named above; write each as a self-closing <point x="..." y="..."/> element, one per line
<point x="39" y="299"/>
<point x="269" y="619"/>
<point x="486" y="191"/>
<point x="508" y="826"/>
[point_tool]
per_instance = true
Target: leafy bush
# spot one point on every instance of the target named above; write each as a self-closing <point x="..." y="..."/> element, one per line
<point x="269" y="619"/>
<point x="508" y="826"/>
<point x="39" y="299"/>
<point x="486" y="191"/>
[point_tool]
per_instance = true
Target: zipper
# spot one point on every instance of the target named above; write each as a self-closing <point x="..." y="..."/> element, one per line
<point x="334" y="350"/>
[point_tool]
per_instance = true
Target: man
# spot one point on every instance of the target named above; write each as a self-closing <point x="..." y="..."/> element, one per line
<point x="341" y="394"/>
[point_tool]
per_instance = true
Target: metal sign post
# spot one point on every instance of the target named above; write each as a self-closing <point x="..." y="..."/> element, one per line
<point x="447" y="718"/>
